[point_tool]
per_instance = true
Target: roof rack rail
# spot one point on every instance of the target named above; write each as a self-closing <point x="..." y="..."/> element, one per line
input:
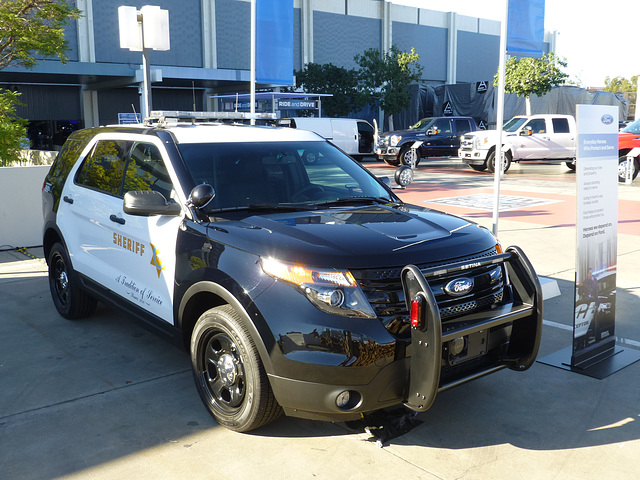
<point x="165" y="118"/>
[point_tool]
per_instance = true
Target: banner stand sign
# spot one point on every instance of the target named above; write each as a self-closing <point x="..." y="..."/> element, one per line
<point x="594" y="351"/>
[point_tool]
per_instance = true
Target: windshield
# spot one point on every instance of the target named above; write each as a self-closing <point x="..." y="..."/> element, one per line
<point x="513" y="124"/>
<point x="632" y="128"/>
<point x="275" y="174"/>
<point x="422" y="125"/>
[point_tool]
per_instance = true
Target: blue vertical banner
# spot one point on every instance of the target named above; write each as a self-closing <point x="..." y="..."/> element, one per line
<point x="525" y="28"/>
<point x="274" y="41"/>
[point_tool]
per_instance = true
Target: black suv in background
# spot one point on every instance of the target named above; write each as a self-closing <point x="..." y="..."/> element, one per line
<point x="440" y="137"/>
<point x="304" y="288"/>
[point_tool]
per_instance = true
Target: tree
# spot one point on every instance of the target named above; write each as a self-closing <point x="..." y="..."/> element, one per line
<point x="338" y="81"/>
<point x="385" y="77"/>
<point x="28" y="29"/>
<point x="526" y="76"/>
<point x="621" y="84"/>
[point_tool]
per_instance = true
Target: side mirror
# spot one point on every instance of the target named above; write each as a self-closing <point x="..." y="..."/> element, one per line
<point x="146" y="203"/>
<point x="526" y="132"/>
<point x="201" y="195"/>
<point x="433" y="131"/>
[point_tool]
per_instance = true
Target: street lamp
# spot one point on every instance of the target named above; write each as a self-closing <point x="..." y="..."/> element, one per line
<point x="141" y="31"/>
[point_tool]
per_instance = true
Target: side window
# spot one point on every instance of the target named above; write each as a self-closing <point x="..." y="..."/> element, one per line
<point x="560" y="125"/>
<point x="463" y="125"/>
<point x="146" y="171"/>
<point x="104" y="166"/>
<point x="537" y="125"/>
<point x="443" y="125"/>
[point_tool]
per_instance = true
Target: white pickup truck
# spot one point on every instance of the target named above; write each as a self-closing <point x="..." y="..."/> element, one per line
<point x="543" y="137"/>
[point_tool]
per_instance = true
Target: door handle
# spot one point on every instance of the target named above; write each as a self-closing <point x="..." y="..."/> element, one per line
<point x="68" y="199"/>
<point x="116" y="219"/>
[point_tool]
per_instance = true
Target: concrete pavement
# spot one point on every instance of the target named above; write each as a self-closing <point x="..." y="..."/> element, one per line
<point x="102" y="398"/>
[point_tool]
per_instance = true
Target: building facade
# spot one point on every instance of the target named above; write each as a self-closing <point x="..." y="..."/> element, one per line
<point x="210" y="55"/>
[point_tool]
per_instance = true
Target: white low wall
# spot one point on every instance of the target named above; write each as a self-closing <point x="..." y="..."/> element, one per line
<point x="21" y="206"/>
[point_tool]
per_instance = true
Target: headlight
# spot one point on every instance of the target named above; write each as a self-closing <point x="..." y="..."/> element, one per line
<point x="331" y="290"/>
<point x="394" y="140"/>
<point x="481" y="142"/>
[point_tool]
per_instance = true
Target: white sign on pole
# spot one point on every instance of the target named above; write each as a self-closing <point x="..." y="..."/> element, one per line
<point x="597" y="232"/>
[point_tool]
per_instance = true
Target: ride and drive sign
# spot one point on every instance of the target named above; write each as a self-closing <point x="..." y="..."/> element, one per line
<point x="597" y="234"/>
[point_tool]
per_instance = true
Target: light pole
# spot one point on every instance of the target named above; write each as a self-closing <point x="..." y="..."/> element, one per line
<point x="141" y="31"/>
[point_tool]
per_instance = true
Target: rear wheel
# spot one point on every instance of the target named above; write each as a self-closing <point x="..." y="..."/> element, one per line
<point x="69" y="298"/>
<point x="228" y="372"/>
<point x="622" y="169"/>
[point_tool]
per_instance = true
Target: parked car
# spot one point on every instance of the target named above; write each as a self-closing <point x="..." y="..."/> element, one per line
<point x="628" y="139"/>
<point x="304" y="288"/>
<point x="354" y="136"/>
<point x="440" y="137"/>
<point x="551" y="138"/>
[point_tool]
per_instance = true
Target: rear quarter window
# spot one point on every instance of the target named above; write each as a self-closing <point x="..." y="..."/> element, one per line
<point x="560" y="125"/>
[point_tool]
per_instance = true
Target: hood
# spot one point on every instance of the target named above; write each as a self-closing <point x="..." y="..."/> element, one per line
<point x="356" y="237"/>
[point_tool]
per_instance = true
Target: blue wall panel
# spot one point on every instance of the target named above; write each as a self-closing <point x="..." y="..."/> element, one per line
<point x="233" y="34"/>
<point x="297" y="39"/>
<point x="430" y="43"/>
<point x="478" y="57"/>
<point x="338" y="38"/>
<point x="185" y="30"/>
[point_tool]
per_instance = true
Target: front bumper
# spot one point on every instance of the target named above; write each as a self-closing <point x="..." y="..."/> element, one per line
<point x="432" y="348"/>
<point x="387" y="153"/>
<point x="507" y="336"/>
<point x="472" y="157"/>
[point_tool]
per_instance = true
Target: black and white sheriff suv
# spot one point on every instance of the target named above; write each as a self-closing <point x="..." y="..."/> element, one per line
<point x="305" y="289"/>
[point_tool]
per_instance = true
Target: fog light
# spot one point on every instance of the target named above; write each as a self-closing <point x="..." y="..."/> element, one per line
<point x="342" y="400"/>
<point x="456" y="346"/>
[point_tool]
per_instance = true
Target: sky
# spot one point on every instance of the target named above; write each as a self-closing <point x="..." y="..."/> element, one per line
<point x="593" y="35"/>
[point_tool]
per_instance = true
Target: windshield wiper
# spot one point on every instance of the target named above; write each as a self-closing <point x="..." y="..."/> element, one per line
<point x="265" y="207"/>
<point x="357" y="200"/>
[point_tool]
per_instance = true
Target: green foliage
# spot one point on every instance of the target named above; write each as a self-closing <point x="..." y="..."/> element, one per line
<point x="29" y="28"/>
<point x="525" y="76"/>
<point x="338" y="81"/>
<point x="13" y="130"/>
<point x="621" y="84"/>
<point x="384" y="78"/>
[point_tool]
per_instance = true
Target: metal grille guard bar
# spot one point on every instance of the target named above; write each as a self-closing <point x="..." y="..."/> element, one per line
<point x="524" y="312"/>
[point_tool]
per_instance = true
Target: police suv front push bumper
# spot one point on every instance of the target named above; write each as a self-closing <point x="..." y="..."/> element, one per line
<point x="521" y="315"/>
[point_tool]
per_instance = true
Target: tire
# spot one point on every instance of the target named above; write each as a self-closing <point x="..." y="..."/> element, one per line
<point x="69" y="298"/>
<point x="570" y="166"/>
<point x="491" y="162"/>
<point x="241" y="399"/>
<point x="479" y="168"/>
<point x="405" y="157"/>
<point x="622" y="168"/>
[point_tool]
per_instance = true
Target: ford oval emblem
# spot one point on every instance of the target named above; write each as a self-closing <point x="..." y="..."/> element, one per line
<point x="459" y="286"/>
<point x="607" y="119"/>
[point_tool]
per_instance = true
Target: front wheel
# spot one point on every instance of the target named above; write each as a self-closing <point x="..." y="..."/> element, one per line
<point x="407" y="156"/>
<point x="228" y="372"/>
<point x="69" y="298"/>
<point x="479" y="168"/>
<point x="622" y="169"/>
<point x="491" y="162"/>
